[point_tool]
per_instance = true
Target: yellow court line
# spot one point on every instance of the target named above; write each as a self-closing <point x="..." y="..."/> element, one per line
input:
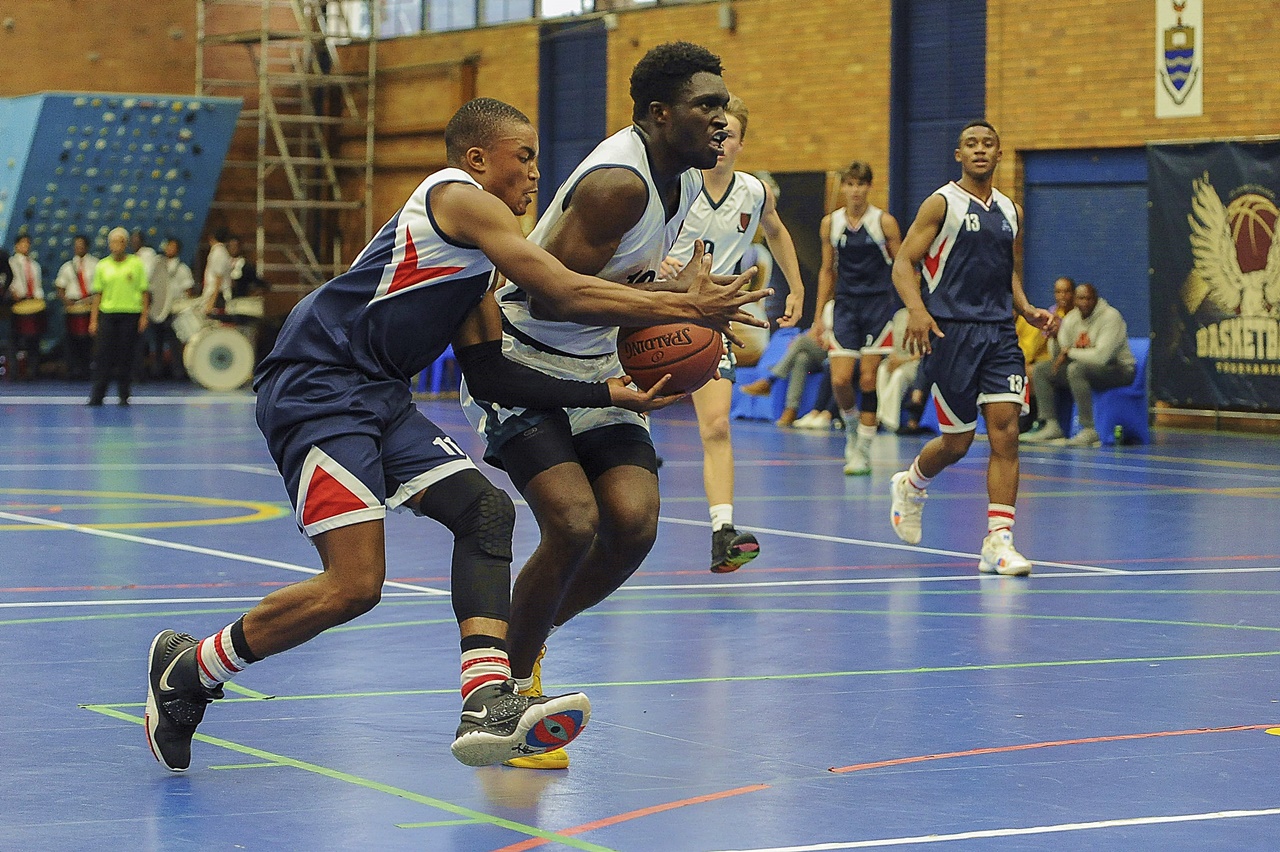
<point x="257" y="511"/>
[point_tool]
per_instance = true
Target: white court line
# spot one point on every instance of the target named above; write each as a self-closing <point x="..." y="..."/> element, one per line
<point x="887" y="545"/>
<point x="134" y="400"/>
<point x="206" y="551"/>
<point x="1014" y="832"/>
<point x="149" y="601"/>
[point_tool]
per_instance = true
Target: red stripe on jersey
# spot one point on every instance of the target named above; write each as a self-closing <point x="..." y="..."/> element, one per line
<point x="328" y="498"/>
<point x="931" y="261"/>
<point x="407" y="272"/>
<point x="943" y="419"/>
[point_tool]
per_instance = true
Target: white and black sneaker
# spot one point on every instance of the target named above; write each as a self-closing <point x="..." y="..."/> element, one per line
<point x="175" y="698"/>
<point x="498" y="723"/>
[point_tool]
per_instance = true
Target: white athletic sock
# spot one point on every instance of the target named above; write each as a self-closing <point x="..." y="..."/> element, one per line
<point x="483" y="666"/>
<point x="218" y="660"/>
<point x="915" y="478"/>
<point x="866" y="434"/>
<point x="721" y="516"/>
<point x="999" y="517"/>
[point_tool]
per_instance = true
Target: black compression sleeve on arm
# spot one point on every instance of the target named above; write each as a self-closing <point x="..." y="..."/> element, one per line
<point x="495" y="378"/>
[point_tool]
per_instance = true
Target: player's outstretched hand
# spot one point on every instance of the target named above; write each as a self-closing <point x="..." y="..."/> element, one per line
<point x="625" y="396"/>
<point x="920" y="325"/>
<point x="719" y="304"/>
<point x="1046" y="321"/>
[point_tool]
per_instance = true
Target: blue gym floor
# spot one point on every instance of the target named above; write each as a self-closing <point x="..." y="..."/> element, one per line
<point x="843" y="691"/>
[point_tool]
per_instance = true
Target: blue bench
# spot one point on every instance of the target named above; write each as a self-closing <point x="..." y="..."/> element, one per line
<point x="744" y="407"/>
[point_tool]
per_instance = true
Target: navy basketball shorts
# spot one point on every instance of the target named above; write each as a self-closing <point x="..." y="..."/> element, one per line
<point x="863" y="325"/>
<point x="975" y="363"/>
<point x="349" y="447"/>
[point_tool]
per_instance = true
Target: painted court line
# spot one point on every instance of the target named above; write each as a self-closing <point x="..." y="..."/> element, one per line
<point x="887" y="545"/>
<point x="1014" y="832"/>
<point x="534" y="843"/>
<point x="189" y="548"/>
<point x="902" y="761"/>
<point x="150" y="601"/>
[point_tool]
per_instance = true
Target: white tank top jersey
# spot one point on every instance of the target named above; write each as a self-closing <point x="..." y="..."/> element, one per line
<point x="727" y="227"/>
<point x="638" y="258"/>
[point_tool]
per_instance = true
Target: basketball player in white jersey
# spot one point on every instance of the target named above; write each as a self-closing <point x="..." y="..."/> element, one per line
<point x="590" y="475"/>
<point x="859" y="241"/>
<point x="964" y="237"/>
<point x="725" y="216"/>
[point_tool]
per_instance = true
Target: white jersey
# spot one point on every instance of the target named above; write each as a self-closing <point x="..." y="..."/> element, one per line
<point x="75" y="278"/>
<point x="727" y="226"/>
<point x="638" y="258"/>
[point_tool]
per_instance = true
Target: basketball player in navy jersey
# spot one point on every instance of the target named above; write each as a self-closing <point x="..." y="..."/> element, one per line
<point x="859" y="242"/>
<point x="590" y="475"/>
<point x="964" y="236"/>
<point x="726" y="215"/>
<point x="335" y="406"/>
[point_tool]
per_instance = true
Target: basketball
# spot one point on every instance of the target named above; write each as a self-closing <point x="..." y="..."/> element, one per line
<point x="690" y="353"/>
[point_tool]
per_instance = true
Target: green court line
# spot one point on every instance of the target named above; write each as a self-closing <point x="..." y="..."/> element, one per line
<point x="375" y="626"/>
<point x="369" y="784"/>
<point x="245" y="691"/>
<point x="975" y="667"/>
<point x="437" y="823"/>
<point x="246" y="765"/>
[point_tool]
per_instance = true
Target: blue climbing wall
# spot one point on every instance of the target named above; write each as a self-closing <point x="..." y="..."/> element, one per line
<point x="86" y="163"/>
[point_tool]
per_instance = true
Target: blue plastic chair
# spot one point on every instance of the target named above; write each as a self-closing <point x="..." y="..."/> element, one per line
<point x="1126" y="406"/>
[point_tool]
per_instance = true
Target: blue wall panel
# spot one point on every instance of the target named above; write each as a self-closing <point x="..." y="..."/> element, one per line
<point x="1087" y="218"/>
<point x="571" y="101"/>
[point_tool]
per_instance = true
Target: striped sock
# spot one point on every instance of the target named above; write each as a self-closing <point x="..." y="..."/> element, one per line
<point x="483" y="666"/>
<point x="915" y="478"/>
<point x="223" y="655"/>
<point x="999" y="517"/>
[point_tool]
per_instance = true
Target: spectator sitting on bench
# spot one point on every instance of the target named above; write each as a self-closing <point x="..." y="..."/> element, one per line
<point x="804" y="355"/>
<point x="1091" y="353"/>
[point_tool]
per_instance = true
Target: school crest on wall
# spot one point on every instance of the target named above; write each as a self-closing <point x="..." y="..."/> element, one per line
<point x="1179" y="50"/>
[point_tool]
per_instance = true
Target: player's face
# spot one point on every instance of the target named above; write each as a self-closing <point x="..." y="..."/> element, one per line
<point x="697" y="121"/>
<point x="1064" y="294"/>
<point x="732" y="144"/>
<point x="170" y="249"/>
<point x="117" y="244"/>
<point x="1086" y="301"/>
<point x="81" y="247"/>
<point x="854" y="192"/>
<point x="979" y="151"/>
<point x="512" y="173"/>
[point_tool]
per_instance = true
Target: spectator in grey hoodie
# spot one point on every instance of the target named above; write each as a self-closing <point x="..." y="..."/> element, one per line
<point x="1090" y="353"/>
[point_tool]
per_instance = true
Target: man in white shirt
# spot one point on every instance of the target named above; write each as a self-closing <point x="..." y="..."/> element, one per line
<point x="28" y="326"/>
<point x="75" y="286"/>
<point x="171" y="280"/>
<point x="217" y="271"/>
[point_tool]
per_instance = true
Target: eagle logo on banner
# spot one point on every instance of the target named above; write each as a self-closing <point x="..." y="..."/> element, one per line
<point x="1236" y="253"/>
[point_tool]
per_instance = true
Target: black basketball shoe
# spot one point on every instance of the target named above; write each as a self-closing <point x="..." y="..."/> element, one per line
<point x="175" y="698"/>
<point x="498" y="723"/>
<point x="730" y="550"/>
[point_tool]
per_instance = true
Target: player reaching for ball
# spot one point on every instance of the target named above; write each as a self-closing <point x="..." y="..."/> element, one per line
<point x="725" y="216"/>
<point x="590" y="475"/>
<point x="335" y="407"/>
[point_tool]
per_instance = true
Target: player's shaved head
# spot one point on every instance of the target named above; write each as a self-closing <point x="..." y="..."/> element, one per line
<point x="476" y="124"/>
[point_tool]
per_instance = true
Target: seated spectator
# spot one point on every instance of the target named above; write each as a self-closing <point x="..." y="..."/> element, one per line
<point x="1035" y="346"/>
<point x="826" y="411"/>
<point x="805" y="355"/>
<point x="1092" y="353"/>
<point x="896" y="380"/>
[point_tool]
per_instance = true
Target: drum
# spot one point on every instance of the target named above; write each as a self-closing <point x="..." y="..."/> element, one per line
<point x="28" y="317"/>
<point x="78" y="317"/>
<point x="219" y="358"/>
<point x="247" y="306"/>
<point x="188" y="319"/>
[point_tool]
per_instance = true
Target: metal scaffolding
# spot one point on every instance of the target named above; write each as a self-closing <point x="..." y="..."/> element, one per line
<point x="308" y="114"/>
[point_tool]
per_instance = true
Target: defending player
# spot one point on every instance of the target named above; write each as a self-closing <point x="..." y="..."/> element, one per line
<point x="335" y="406"/>
<point x="965" y="234"/>
<point x="726" y="215"/>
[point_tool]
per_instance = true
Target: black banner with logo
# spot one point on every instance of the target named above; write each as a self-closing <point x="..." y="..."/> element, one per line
<point x="1215" y="274"/>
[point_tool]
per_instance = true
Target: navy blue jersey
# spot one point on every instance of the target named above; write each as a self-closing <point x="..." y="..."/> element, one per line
<point x="863" y="265"/>
<point x="399" y="305"/>
<point x="968" y="270"/>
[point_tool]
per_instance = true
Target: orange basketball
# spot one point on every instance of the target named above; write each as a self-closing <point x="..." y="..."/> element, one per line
<point x="690" y="353"/>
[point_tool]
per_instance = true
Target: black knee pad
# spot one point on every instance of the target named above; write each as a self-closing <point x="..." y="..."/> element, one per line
<point x="869" y="401"/>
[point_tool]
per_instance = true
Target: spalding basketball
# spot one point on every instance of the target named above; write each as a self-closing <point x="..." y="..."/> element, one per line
<point x="690" y="353"/>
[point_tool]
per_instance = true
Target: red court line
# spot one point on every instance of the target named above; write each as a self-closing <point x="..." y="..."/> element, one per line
<point x="535" y="842"/>
<point x="900" y="761"/>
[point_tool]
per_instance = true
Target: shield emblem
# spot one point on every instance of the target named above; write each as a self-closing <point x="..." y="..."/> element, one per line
<point x="744" y="221"/>
<point x="1179" y="61"/>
